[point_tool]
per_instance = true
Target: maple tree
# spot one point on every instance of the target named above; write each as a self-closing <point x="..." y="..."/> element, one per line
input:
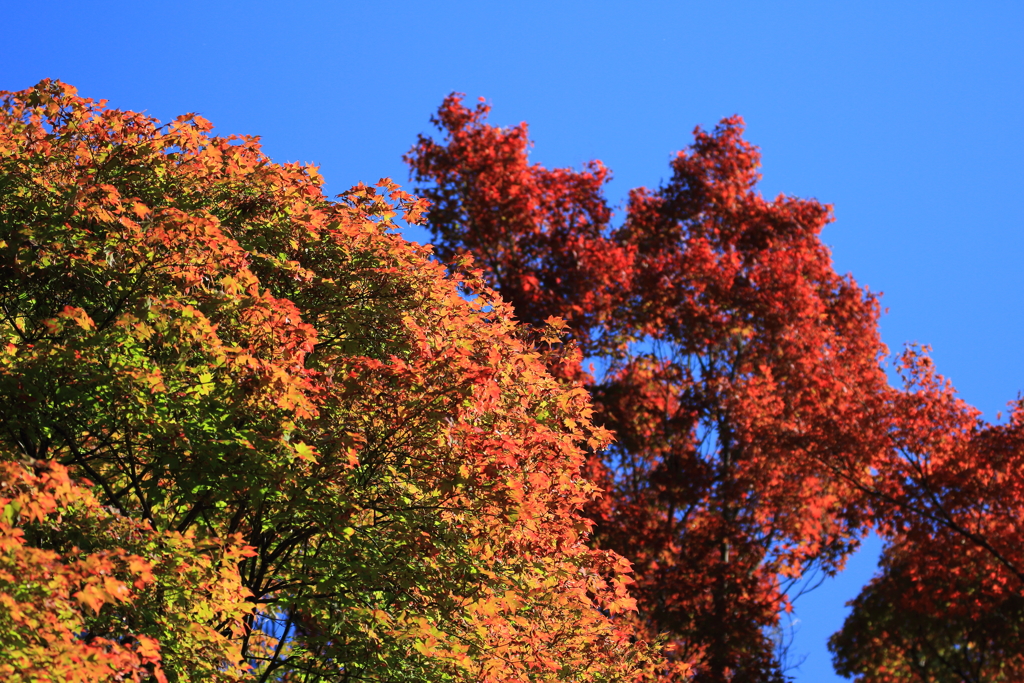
<point x="740" y="373"/>
<point x="948" y="604"/>
<point x="249" y="432"/>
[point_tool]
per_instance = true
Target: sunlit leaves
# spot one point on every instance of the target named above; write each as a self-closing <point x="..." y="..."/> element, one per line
<point x="87" y="595"/>
<point x="360" y="473"/>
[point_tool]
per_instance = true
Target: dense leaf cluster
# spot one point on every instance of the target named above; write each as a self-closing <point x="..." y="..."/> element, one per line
<point x="739" y="370"/>
<point x="248" y="432"/>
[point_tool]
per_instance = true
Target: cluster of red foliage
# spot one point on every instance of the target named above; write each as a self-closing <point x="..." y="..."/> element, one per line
<point x="948" y="604"/>
<point x="756" y="437"/>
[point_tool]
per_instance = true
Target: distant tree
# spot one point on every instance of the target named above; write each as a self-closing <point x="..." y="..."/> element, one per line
<point x="738" y="371"/>
<point x="247" y="432"/>
<point x="948" y="604"/>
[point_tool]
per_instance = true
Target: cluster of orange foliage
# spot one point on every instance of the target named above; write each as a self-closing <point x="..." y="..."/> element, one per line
<point x="248" y="432"/>
<point x="948" y="603"/>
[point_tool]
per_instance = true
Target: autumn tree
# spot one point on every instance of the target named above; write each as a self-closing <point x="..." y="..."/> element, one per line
<point x="739" y="372"/>
<point x="249" y="432"/>
<point x="948" y="603"/>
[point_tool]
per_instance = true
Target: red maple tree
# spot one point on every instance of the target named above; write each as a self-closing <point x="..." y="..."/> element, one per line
<point x="740" y="373"/>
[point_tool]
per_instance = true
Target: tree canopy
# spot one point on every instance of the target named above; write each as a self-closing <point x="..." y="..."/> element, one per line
<point x="739" y="371"/>
<point x="948" y="603"/>
<point x="756" y="436"/>
<point x="249" y="432"/>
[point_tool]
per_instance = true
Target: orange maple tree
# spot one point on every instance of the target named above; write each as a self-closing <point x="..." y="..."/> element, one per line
<point x="739" y="372"/>
<point x="249" y="432"/>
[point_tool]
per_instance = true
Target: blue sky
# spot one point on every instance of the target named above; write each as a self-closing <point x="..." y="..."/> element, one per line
<point x="906" y="116"/>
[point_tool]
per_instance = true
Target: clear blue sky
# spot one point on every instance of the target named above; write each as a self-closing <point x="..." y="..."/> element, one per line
<point x="907" y="116"/>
